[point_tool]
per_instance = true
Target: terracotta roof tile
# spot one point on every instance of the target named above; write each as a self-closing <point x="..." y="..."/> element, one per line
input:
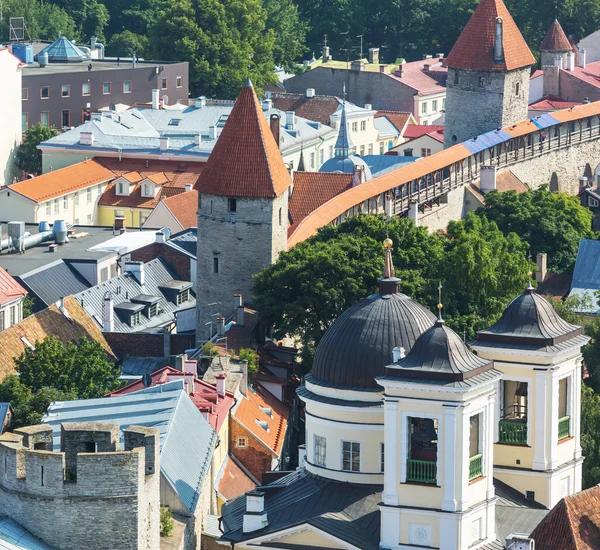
<point x="184" y="207"/>
<point x="248" y="412"/>
<point x="573" y="524"/>
<point x="318" y="108"/>
<point x="415" y="131"/>
<point x="235" y="481"/>
<point x="474" y="49"/>
<point x="50" y="321"/>
<point x="552" y="103"/>
<point x="245" y="161"/>
<point x="505" y="181"/>
<point x="423" y="81"/>
<point x="398" y="118"/>
<point x="66" y="180"/>
<point x="9" y="288"/>
<point x="556" y="40"/>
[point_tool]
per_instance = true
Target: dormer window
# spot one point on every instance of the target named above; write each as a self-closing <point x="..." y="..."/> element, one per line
<point x="123" y="188"/>
<point x="263" y="424"/>
<point x="148" y="190"/>
<point x="177" y="292"/>
<point x="136" y="319"/>
<point x="183" y="296"/>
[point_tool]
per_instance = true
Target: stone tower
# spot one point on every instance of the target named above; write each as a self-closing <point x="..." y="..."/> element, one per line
<point x="488" y="75"/>
<point x="242" y="211"/>
<point x="555" y="44"/>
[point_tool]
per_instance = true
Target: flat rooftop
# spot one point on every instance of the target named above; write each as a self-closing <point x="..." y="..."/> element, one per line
<point x="33" y="69"/>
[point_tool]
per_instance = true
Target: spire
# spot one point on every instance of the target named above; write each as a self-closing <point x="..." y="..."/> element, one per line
<point x="440" y="305"/>
<point x="343" y="145"/>
<point x="245" y="161"/>
<point x="388" y="284"/>
<point x="474" y="49"/>
<point x="556" y="40"/>
<point x="301" y="167"/>
<point x="529" y="288"/>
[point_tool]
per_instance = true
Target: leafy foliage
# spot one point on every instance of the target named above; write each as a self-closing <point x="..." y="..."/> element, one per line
<point x="166" y="522"/>
<point x="549" y="222"/>
<point x="127" y="44"/>
<point x="209" y="349"/>
<point x="28" y="303"/>
<point x="29" y="157"/>
<point x="248" y="354"/>
<point x="590" y="436"/>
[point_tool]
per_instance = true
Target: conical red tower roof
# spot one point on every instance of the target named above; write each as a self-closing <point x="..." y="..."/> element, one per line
<point x="556" y="40"/>
<point x="474" y="49"/>
<point x="245" y="161"/>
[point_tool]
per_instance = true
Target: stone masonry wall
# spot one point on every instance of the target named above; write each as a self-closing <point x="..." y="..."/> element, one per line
<point x="482" y="101"/>
<point x="255" y="457"/>
<point x="112" y="504"/>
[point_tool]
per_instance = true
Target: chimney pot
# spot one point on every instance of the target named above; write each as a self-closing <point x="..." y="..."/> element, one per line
<point x="220" y="326"/>
<point x="310" y="92"/>
<point x="188" y="187"/>
<point x="275" y="128"/>
<point x="582" y="58"/>
<point x="220" y="384"/>
<point x="267" y="104"/>
<point x="571" y="61"/>
<point x="109" y="314"/>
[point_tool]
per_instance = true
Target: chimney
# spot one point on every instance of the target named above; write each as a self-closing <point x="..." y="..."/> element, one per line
<point x="275" y="129"/>
<point x="189" y="369"/>
<point x="583" y="183"/>
<point x="109" y="314"/>
<point x="220" y="326"/>
<point x="155" y="98"/>
<point x="159" y="237"/>
<point x="267" y="104"/>
<point x="357" y="65"/>
<point x="582" y="58"/>
<point x="369" y="106"/>
<point x="551" y="79"/>
<point x="290" y="120"/>
<point x="426" y="66"/>
<point x="86" y="138"/>
<point x="397" y="354"/>
<point x="487" y="180"/>
<point x="374" y="56"/>
<point x="384" y="69"/>
<point x="498" y="42"/>
<point x="198" y="139"/>
<point x="137" y="270"/>
<point x="163" y="143"/>
<point x="239" y="309"/>
<point x="189" y="187"/>
<point x="212" y="132"/>
<point x="220" y="383"/>
<point x="413" y="211"/>
<point x="571" y="61"/>
<point x="255" y="517"/>
<point x="310" y="92"/>
<point x="200" y="102"/>
<point x="359" y="174"/>
<point x="542" y="267"/>
<point x="301" y="455"/>
<point x="399" y="71"/>
<point x="439" y="55"/>
<point x="244" y="380"/>
<point x="326" y="56"/>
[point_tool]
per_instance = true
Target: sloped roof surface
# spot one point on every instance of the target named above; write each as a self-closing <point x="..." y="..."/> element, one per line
<point x="245" y="161"/>
<point x="474" y="49"/>
<point x="184" y="432"/>
<point x="14" y="537"/>
<point x="398" y="118"/>
<point x="552" y="103"/>
<point x="318" y="108"/>
<point x="556" y="40"/>
<point x="234" y="481"/>
<point x="9" y="288"/>
<point x="414" y="131"/>
<point x="184" y="207"/>
<point x="62" y="50"/>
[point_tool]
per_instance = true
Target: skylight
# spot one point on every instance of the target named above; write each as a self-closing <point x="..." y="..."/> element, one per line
<point x="174" y="122"/>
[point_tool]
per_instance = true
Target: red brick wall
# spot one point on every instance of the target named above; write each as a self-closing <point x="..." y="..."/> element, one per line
<point x="179" y="262"/>
<point x="181" y="342"/>
<point x="255" y="457"/>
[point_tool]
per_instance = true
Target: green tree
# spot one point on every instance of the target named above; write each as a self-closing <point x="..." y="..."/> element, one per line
<point x="166" y="522"/>
<point x="590" y="436"/>
<point x="549" y="222"/>
<point x="90" y="16"/>
<point x="248" y="354"/>
<point x="29" y="157"/>
<point x="28" y="303"/>
<point x="127" y="43"/>
<point x="283" y="18"/>
<point x="591" y="354"/>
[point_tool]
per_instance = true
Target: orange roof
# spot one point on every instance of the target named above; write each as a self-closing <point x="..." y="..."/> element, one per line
<point x="63" y="181"/>
<point x="552" y="103"/>
<point x="132" y="177"/>
<point x="159" y="178"/>
<point x="249" y="413"/>
<point x="556" y="40"/>
<point x="245" y="161"/>
<point x="9" y="288"/>
<point x="234" y="481"/>
<point x="184" y="207"/>
<point x="398" y="118"/>
<point x="474" y="48"/>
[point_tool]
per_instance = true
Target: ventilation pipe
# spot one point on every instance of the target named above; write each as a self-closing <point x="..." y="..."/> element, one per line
<point x="498" y="42"/>
<point x="20" y="240"/>
<point x="97" y="46"/>
<point x="571" y="61"/>
<point x="109" y="314"/>
<point x="155" y="98"/>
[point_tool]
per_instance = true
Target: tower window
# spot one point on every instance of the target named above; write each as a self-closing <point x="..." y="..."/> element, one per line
<point x="513" y="415"/>
<point x="475" y="454"/>
<point x="215" y="265"/>
<point x="518" y="89"/>
<point x="42" y="476"/>
<point x="232" y="205"/>
<point x="280" y="216"/>
<point x="564" y="421"/>
<point x="350" y="456"/>
<point x="456" y="78"/>
<point x="422" y="457"/>
<point x="481" y="82"/>
<point x="382" y="457"/>
<point x="320" y="450"/>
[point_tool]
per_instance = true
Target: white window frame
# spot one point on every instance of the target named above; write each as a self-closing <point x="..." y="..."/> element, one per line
<point x="320" y="459"/>
<point x="352" y="443"/>
<point x="592" y="202"/>
<point x="363" y="125"/>
<point x="238" y="443"/>
<point x="49" y="208"/>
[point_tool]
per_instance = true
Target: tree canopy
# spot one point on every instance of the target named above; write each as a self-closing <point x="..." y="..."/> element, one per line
<point x="29" y="157"/>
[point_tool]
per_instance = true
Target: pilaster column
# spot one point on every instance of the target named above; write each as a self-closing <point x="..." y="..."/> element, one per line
<point x="449" y="502"/>
<point x="390" y="477"/>
<point x="576" y="409"/>
<point x="540" y="435"/>
<point x="553" y="427"/>
<point x="490" y="427"/>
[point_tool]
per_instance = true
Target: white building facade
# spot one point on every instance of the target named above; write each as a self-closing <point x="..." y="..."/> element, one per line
<point x="10" y="114"/>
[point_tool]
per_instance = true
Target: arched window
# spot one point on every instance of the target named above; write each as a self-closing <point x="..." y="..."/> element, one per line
<point x="518" y="89"/>
<point x="280" y="216"/>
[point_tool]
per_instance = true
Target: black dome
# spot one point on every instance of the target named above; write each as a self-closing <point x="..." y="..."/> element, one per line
<point x="439" y="354"/>
<point x="530" y="320"/>
<point x="358" y="345"/>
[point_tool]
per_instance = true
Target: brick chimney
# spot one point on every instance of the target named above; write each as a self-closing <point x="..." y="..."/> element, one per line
<point x="274" y="123"/>
<point x="220" y="383"/>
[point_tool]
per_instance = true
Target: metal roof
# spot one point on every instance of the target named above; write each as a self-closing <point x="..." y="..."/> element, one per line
<point x="530" y="320"/>
<point x="385" y="128"/>
<point x="158" y="274"/>
<point x="14" y="537"/>
<point x="586" y="276"/>
<point x="186" y="241"/>
<point x="138" y="366"/>
<point x="187" y="440"/>
<point x="358" y="345"/>
<point x="53" y="281"/>
<point x="487" y="140"/>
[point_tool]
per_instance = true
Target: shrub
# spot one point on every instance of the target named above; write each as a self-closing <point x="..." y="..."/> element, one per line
<point x="166" y="522"/>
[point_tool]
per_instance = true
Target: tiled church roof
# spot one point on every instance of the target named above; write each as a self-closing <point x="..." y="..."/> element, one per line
<point x="556" y="40"/>
<point x="474" y="49"/>
<point x="246" y="161"/>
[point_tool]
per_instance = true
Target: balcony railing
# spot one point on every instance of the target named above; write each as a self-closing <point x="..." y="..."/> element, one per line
<point x="564" y="427"/>
<point x="475" y="467"/>
<point x="421" y="471"/>
<point x="513" y="433"/>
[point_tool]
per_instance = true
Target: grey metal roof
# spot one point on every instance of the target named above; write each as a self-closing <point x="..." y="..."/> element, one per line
<point x="347" y="511"/>
<point x="577" y="341"/>
<point x="586" y="276"/>
<point x="138" y="366"/>
<point x="385" y="128"/>
<point x="359" y="344"/>
<point x="187" y="440"/>
<point x="439" y="355"/>
<point x="484" y="377"/>
<point x="158" y="274"/>
<point x="530" y="320"/>
<point x="14" y="537"/>
<point x="382" y="164"/>
<point x="305" y="393"/>
<point x="54" y="281"/>
<point x="186" y="242"/>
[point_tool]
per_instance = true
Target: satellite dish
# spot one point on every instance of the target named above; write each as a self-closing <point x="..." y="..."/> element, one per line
<point x="147" y="380"/>
<point x="165" y="99"/>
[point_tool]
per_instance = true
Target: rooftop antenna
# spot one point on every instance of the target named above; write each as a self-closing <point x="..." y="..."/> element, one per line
<point x="346" y="47"/>
<point x="440" y="305"/>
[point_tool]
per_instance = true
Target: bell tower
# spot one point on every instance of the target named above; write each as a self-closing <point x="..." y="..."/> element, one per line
<point x="488" y="75"/>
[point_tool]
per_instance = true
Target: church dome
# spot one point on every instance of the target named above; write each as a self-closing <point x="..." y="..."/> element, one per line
<point x="346" y="165"/>
<point x="358" y="345"/>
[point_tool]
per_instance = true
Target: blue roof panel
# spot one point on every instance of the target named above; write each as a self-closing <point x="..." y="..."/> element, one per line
<point x="544" y="121"/>
<point x="487" y="140"/>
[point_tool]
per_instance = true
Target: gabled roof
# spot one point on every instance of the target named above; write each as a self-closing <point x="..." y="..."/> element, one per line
<point x="556" y="40"/>
<point x="573" y="523"/>
<point x="414" y="131"/>
<point x="245" y="161"/>
<point x="187" y="441"/>
<point x="233" y="480"/>
<point x="183" y="207"/>
<point x="70" y="325"/>
<point x="318" y="108"/>
<point x="62" y="181"/>
<point x="399" y="119"/>
<point x="9" y="288"/>
<point x="474" y="49"/>
<point x="552" y="103"/>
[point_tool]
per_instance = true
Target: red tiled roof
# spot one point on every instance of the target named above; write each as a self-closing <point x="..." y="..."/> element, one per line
<point x="9" y="288"/>
<point x="556" y="40"/>
<point x="184" y="207"/>
<point x="505" y="181"/>
<point x="235" y="481"/>
<point x="590" y="75"/>
<point x="245" y="161"/>
<point x="312" y="189"/>
<point x="204" y="397"/>
<point x="424" y="82"/>
<point x="398" y="118"/>
<point x="573" y="524"/>
<point x="474" y="48"/>
<point x="66" y="180"/>
<point x="414" y="131"/>
<point x="552" y="103"/>
<point x="318" y="108"/>
<point x="248" y="412"/>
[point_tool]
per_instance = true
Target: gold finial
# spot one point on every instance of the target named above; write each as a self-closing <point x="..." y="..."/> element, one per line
<point x="440" y="305"/>
<point x="529" y="271"/>
<point x="388" y="243"/>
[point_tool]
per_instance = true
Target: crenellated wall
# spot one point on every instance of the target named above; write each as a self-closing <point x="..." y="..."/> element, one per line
<point x="91" y="494"/>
